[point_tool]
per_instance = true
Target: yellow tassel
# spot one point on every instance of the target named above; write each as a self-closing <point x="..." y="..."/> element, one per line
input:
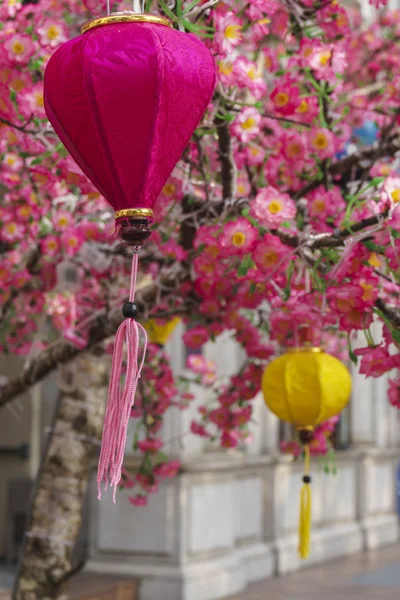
<point x="305" y="510"/>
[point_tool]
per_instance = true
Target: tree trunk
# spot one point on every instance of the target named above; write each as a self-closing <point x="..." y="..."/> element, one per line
<point x="56" y="513"/>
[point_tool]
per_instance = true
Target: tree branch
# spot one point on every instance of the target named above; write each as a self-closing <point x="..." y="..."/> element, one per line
<point x="345" y="165"/>
<point x="228" y="165"/>
<point x="104" y="326"/>
<point x="390" y="313"/>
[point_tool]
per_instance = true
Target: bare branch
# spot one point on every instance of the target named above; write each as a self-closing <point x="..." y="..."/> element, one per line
<point x="228" y="165"/>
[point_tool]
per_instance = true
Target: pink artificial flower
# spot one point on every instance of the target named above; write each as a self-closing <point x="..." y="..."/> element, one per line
<point x="138" y="500"/>
<point x="126" y="480"/>
<point x="394" y="392"/>
<point x="32" y="102"/>
<point x="197" y="363"/>
<point x="285" y="99"/>
<point x="19" y="47"/>
<point x="238" y="236"/>
<point x="147" y="483"/>
<point x="150" y="445"/>
<point x="249" y="76"/>
<point x="52" y="33"/>
<point x="12" y="161"/>
<point x="346" y="298"/>
<point x="318" y="445"/>
<point x="375" y="360"/>
<point x="247" y="124"/>
<point x="355" y="319"/>
<point x="241" y="416"/>
<point x="391" y="191"/>
<point x="327" y="61"/>
<point x="229" y="439"/>
<point x="321" y="143"/>
<point x="328" y="427"/>
<point x="12" y="231"/>
<point x="292" y="447"/>
<point x="228" y="32"/>
<point x="378" y="3"/>
<point x="71" y="241"/>
<point x="167" y="469"/>
<point x="199" y="429"/>
<point x="271" y="208"/>
<point x="308" y="109"/>
<point x="270" y="254"/>
<point x="13" y="7"/>
<point x="196" y="337"/>
<point x="220" y="417"/>
<point x="294" y="148"/>
<point x="270" y="59"/>
<point x="322" y="203"/>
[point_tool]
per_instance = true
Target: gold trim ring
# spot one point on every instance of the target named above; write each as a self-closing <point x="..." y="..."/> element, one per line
<point x="134" y="213"/>
<point x="314" y="349"/>
<point x="124" y="19"/>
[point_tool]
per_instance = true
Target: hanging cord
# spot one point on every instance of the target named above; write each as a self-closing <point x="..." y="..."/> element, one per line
<point x="305" y="508"/>
<point x="120" y="401"/>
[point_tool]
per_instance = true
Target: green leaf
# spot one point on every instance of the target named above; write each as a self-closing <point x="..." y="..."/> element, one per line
<point x="37" y="161"/>
<point x="13" y="96"/>
<point x="353" y="357"/>
<point x="396" y="335"/>
<point x="190" y="6"/>
<point x="167" y="11"/>
<point x="246" y="264"/>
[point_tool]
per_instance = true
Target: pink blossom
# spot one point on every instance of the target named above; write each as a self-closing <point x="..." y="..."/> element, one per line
<point x="199" y="429"/>
<point x="285" y="99"/>
<point x="292" y="447"/>
<point x="138" y="500"/>
<point x="167" y="469"/>
<point x="346" y="297"/>
<point x="355" y="319"/>
<point x="321" y="143"/>
<point x="19" y="47"/>
<point x="150" y="445"/>
<point x="220" y="417"/>
<point x="52" y="33"/>
<point x="12" y="161"/>
<point x="230" y="439"/>
<point x="328" y="427"/>
<point x="196" y="337"/>
<point x="228" y="31"/>
<point x="238" y="236"/>
<point x="271" y="208"/>
<point x="270" y="254"/>
<point x="319" y="445"/>
<point x="247" y="124"/>
<point x="241" y="416"/>
<point x="71" y="241"/>
<point x="394" y="392"/>
<point x="375" y="360"/>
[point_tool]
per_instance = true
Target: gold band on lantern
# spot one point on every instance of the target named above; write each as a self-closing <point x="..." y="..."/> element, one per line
<point x="124" y="18"/>
<point x="314" y="349"/>
<point x="134" y="213"/>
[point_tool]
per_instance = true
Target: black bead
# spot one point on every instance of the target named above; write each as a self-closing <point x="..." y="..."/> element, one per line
<point x="129" y="310"/>
<point x="306" y="479"/>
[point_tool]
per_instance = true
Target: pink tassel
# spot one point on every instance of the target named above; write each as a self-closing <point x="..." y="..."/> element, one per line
<point x="120" y="402"/>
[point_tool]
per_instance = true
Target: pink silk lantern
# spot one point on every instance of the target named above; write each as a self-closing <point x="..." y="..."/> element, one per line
<point x="125" y="98"/>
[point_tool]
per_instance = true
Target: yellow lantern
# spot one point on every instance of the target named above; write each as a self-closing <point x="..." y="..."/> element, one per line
<point x="305" y="387"/>
<point x="159" y="331"/>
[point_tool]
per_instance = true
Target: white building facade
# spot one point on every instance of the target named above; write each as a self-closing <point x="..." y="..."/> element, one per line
<point x="231" y="517"/>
